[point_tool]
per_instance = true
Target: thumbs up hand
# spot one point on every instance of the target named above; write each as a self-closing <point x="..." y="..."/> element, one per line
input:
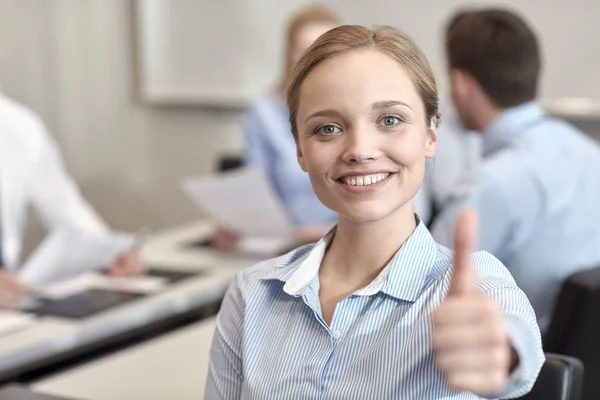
<point x="470" y="340"/>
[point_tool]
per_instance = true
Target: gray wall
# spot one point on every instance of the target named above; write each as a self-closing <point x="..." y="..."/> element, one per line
<point x="72" y="62"/>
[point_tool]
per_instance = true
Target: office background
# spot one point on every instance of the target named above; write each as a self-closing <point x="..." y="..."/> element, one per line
<point x="76" y="64"/>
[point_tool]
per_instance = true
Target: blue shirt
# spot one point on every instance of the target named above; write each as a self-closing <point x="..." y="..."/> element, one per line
<point x="458" y="156"/>
<point x="271" y="146"/>
<point x="537" y="191"/>
<point x="271" y="341"/>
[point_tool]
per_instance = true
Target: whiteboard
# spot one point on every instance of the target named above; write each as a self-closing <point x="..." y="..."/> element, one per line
<point x="210" y="52"/>
<point x="226" y="52"/>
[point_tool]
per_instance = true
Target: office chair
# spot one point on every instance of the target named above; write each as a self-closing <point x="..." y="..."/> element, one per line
<point x="575" y="327"/>
<point x="561" y="378"/>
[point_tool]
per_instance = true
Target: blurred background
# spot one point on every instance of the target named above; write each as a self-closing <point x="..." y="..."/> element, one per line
<point x="140" y="93"/>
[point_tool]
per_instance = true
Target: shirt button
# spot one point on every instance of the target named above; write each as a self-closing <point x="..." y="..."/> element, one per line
<point x="336" y="334"/>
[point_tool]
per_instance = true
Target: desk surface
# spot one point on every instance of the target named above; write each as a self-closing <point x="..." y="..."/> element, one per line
<point x="173" y="366"/>
<point x="53" y="336"/>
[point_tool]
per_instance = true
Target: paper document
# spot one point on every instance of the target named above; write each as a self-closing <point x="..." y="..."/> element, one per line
<point x="13" y="321"/>
<point x="263" y="245"/>
<point x="143" y="284"/>
<point x="69" y="287"/>
<point x="242" y="200"/>
<point x="66" y="253"/>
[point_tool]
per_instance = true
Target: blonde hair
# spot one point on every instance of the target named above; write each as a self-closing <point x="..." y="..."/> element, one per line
<point x="388" y="40"/>
<point x="309" y="15"/>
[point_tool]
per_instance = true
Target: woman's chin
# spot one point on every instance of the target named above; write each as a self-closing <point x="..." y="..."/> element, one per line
<point x="371" y="212"/>
<point x="364" y="215"/>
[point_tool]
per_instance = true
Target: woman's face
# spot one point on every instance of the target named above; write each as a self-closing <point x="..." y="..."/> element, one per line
<point x="363" y="136"/>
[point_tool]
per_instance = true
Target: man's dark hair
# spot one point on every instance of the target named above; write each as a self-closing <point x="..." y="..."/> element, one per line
<point x="499" y="50"/>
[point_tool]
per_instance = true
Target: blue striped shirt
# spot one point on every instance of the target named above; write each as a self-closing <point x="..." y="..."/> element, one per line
<point x="271" y="341"/>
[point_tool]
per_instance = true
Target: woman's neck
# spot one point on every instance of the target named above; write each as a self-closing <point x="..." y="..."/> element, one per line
<point x="359" y="252"/>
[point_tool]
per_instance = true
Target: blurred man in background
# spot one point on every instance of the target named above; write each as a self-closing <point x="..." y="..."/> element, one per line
<point x="32" y="174"/>
<point x="537" y="187"/>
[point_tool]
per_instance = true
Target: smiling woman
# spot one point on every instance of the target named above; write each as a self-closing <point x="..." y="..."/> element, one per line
<point x="390" y="131"/>
<point x="376" y="309"/>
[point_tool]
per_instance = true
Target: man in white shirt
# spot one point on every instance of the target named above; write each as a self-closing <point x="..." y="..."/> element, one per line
<point x="32" y="174"/>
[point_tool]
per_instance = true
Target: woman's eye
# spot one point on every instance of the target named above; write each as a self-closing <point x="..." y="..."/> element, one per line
<point x="328" y="130"/>
<point x="390" y="121"/>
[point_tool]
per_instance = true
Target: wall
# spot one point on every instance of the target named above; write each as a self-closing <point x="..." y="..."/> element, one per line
<point x="245" y="37"/>
<point x="72" y="62"/>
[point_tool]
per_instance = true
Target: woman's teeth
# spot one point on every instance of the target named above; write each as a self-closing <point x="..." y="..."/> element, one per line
<point x="364" y="180"/>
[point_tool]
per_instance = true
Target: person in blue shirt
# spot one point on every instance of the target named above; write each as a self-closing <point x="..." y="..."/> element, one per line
<point x="376" y="309"/>
<point x="458" y="156"/>
<point x="538" y="185"/>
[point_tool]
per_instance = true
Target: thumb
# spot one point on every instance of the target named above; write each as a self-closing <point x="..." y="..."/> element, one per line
<point x="465" y="238"/>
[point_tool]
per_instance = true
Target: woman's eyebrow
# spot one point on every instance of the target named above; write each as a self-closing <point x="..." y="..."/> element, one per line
<point x="378" y="105"/>
<point x="323" y="113"/>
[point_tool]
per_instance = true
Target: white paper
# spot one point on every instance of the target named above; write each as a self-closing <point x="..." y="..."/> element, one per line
<point x="143" y="284"/>
<point x="242" y="200"/>
<point x="69" y="287"/>
<point x="263" y="245"/>
<point x="66" y="253"/>
<point x="14" y="321"/>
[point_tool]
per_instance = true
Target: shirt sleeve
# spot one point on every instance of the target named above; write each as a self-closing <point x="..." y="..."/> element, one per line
<point x="519" y="321"/>
<point x="509" y="203"/>
<point x="225" y="371"/>
<point x="55" y="197"/>
<point x="459" y="152"/>
<point x="258" y="153"/>
<point x="259" y="148"/>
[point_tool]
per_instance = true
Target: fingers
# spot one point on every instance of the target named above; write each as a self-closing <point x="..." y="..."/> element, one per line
<point x="8" y="300"/>
<point x="465" y="239"/>
<point x="11" y="283"/>
<point x="128" y="264"/>
<point x="477" y="335"/>
<point x="472" y="347"/>
<point x="12" y="290"/>
<point x="225" y="239"/>
<point x="474" y="361"/>
<point x="134" y="264"/>
<point x="482" y="384"/>
<point x="476" y="308"/>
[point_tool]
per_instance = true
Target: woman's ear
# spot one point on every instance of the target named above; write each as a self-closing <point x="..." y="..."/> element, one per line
<point x="431" y="146"/>
<point x="300" y="157"/>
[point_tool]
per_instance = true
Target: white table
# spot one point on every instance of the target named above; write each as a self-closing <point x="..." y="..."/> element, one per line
<point x="173" y="366"/>
<point x="167" y="249"/>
